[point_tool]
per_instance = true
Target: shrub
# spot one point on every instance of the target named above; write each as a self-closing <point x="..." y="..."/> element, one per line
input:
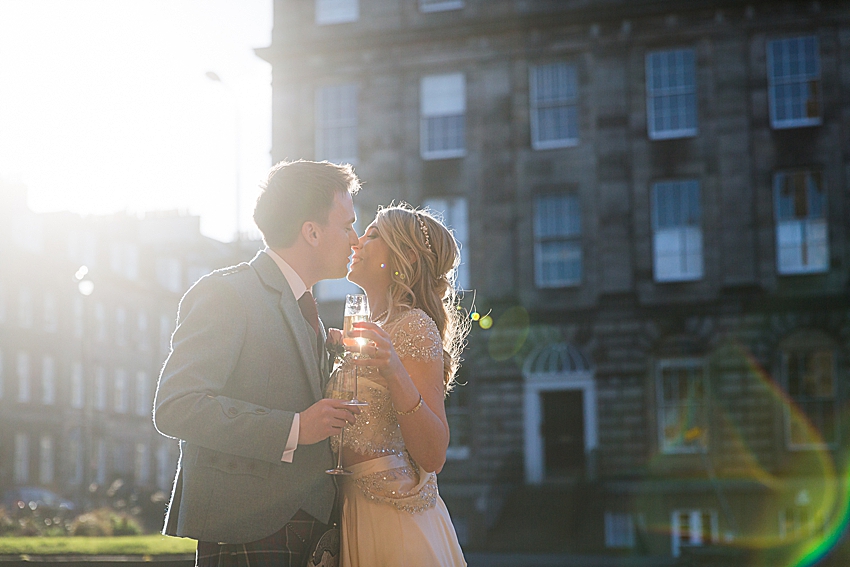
<point x="104" y="522"/>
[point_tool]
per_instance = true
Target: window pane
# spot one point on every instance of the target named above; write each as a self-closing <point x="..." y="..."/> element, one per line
<point x="336" y="11"/>
<point x="671" y="93"/>
<point x="336" y="123"/>
<point x="557" y="229"/>
<point x="794" y="76"/>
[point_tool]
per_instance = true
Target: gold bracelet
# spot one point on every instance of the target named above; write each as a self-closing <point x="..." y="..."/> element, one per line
<point x="414" y="410"/>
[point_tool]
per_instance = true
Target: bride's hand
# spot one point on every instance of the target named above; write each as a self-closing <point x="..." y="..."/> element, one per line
<point x="379" y="351"/>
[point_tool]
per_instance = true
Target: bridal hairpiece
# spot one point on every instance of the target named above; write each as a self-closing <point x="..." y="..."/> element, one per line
<point x="424" y="231"/>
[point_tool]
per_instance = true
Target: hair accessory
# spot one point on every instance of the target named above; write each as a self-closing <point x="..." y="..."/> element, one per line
<point x="411" y="411"/>
<point x="424" y="230"/>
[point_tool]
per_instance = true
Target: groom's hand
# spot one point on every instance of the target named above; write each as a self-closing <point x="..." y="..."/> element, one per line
<point x="323" y="419"/>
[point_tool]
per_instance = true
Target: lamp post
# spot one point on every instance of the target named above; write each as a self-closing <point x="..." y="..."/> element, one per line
<point x="214" y="77"/>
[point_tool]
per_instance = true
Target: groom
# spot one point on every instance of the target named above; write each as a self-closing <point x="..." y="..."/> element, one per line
<point x="242" y="387"/>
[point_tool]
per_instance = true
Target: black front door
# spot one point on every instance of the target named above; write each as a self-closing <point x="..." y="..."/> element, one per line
<point x="563" y="433"/>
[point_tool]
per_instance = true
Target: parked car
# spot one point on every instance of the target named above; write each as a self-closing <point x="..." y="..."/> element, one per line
<point x="36" y="499"/>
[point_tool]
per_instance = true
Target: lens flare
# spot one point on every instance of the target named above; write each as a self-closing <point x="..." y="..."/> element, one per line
<point x="779" y="506"/>
<point x="509" y="333"/>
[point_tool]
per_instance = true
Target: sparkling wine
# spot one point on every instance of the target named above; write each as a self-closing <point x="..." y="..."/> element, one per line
<point x="342" y="394"/>
<point x="348" y="326"/>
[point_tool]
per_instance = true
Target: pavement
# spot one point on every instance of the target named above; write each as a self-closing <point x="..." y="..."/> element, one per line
<point x="562" y="560"/>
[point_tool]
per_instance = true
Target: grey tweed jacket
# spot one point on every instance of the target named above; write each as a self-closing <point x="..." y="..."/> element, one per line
<point x="243" y="361"/>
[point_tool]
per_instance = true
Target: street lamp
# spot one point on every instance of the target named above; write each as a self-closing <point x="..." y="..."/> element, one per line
<point x="214" y="77"/>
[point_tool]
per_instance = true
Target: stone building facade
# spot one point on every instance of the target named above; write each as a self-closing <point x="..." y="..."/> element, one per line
<point x="87" y="308"/>
<point x="653" y="200"/>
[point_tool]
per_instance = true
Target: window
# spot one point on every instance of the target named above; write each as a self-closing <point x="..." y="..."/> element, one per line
<point x="23" y="377"/>
<point x="100" y="460"/>
<point x="45" y="461"/>
<point x="51" y="319"/>
<point x="677" y="232"/>
<point x="120" y="326"/>
<point x="100" y="388"/>
<point x="801" y="230"/>
<point x="77" y="386"/>
<point x="143" y="342"/>
<point x="671" y="94"/>
<point x="693" y="528"/>
<point x="22" y="458"/>
<point x="619" y="530"/>
<point x="443" y="121"/>
<point x="336" y="123"/>
<point x="682" y="406"/>
<point x="808" y="374"/>
<point x="76" y="457"/>
<point x="165" y="466"/>
<point x="140" y="468"/>
<point x="48" y="381"/>
<point x="121" y="401"/>
<point x="336" y="11"/>
<point x="169" y="274"/>
<point x="144" y="403"/>
<point x="557" y="240"/>
<point x="554" y="106"/>
<point x="439" y="5"/>
<point x="124" y="259"/>
<point x="99" y="322"/>
<point x="25" y="308"/>
<point x="454" y="213"/>
<point x="793" y="75"/>
<point x="77" y="307"/>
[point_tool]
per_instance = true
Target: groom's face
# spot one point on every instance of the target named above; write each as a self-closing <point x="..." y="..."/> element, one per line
<point x="337" y="237"/>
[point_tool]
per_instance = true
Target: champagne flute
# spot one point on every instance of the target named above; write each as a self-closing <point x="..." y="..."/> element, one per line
<point x="356" y="311"/>
<point x="341" y="387"/>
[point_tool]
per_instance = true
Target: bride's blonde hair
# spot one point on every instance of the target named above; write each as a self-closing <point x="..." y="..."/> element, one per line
<point x="424" y="257"/>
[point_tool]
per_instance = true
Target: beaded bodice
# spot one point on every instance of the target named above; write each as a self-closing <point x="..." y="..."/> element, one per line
<point x="376" y="432"/>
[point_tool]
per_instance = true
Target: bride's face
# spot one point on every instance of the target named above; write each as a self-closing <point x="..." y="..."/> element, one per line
<point x="370" y="265"/>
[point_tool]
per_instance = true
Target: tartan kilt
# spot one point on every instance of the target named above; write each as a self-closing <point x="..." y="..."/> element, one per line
<point x="303" y="542"/>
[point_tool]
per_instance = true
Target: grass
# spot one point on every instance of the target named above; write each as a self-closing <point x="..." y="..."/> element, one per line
<point x="119" y="545"/>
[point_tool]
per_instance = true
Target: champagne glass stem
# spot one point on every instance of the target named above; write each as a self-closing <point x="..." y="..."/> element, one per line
<point x="339" y="451"/>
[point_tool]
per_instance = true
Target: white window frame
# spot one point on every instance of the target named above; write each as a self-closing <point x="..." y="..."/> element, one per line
<point x="699" y="444"/>
<point x="141" y="464"/>
<point x="677" y="251"/>
<point x="676" y="84"/>
<point x="553" y="88"/>
<point x="330" y="12"/>
<point x="75" y="456"/>
<point x="808" y="234"/>
<point x="455" y="215"/>
<point x="808" y="79"/>
<point x="567" y="237"/>
<point x="428" y="6"/>
<point x="696" y="531"/>
<point x="336" y="123"/>
<point x="442" y="98"/>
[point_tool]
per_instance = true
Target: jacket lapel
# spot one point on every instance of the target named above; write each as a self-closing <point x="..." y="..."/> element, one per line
<point x="304" y="336"/>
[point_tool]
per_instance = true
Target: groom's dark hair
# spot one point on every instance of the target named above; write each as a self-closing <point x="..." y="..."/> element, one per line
<point x="296" y="192"/>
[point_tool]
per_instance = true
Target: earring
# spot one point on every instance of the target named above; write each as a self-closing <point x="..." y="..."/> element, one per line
<point x="400" y="276"/>
<point x="384" y="266"/>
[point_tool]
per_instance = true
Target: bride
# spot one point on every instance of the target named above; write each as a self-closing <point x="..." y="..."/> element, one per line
<point x="392" y="513"/>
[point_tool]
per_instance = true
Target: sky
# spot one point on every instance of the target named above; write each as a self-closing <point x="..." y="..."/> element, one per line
<point x="105" y="106"/>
